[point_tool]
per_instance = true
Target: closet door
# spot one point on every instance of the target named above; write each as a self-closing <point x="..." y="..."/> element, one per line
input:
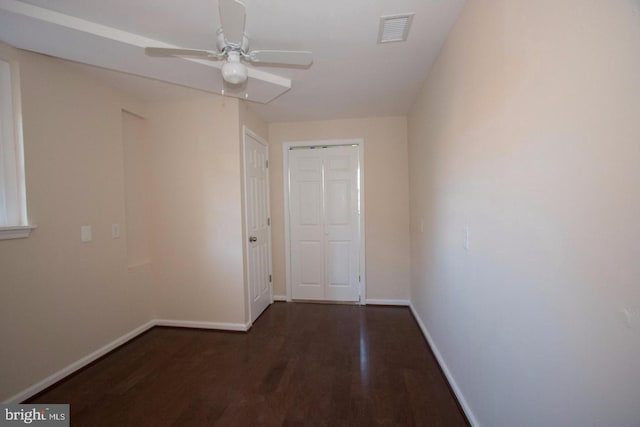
<point x="324" y="221"/>
<point x="307" y="224"/>
<point x="341" y="223"/>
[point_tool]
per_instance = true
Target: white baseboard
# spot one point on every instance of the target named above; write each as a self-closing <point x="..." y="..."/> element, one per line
<point x="400" y="302"/>
<point x="68" y="370"/>
<point x="243" y="327"/>
<point x="445" y="369"/>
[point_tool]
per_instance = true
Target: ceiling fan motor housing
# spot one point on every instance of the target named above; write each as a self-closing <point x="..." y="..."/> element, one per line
<point x="224" y="45"/>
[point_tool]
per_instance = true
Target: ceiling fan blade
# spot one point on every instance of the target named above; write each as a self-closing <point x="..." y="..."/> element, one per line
<point x="232" y="18"/>
<point x="284" y="57"/>
<point x="184" y="53"/>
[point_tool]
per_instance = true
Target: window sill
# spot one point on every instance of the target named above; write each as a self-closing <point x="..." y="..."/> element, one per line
<point x="17" y="232"/>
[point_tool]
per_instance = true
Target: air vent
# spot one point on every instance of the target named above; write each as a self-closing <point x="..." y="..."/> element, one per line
<point x="394" y="28"/>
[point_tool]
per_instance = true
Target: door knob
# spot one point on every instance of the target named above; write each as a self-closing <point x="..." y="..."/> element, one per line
<point x="253" y="239"/>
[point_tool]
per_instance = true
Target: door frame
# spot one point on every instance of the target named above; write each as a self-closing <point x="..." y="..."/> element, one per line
<point x="286" y="146"/>
<point x="245" y="232"/>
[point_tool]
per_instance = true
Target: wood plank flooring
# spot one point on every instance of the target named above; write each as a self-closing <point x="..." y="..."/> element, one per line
<point x="300" y="364"/>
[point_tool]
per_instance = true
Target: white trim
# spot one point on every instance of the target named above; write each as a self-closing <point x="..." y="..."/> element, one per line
<point x="15" y="223"/>
<point x="79" y="364"/>
<point x="68" y="370"/>
<point x="443" y="365"/>
<point x="363" y="246"/>
<point x="17" y="232"/>
<point x="285" y="174"/>
<point x="280" y="298"/>
<point x="287" y="237"/>
<point x="242" y="327"/>
<point x="399" y="302"/>
<point x="246" y="131"/>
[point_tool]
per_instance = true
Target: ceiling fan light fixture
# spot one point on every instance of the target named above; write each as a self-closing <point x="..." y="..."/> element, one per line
<point x="233" y="71"/>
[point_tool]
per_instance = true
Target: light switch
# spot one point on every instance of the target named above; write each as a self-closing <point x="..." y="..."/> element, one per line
<point x="115" y="231"/>
<point x="85" y="233"/>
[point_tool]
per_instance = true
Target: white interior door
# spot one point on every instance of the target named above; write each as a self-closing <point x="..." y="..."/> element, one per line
<point x="324" y="222"/>
<point x="341" y="225"/>
<point x="257" y="222"/>
<point x="307" y="223"/>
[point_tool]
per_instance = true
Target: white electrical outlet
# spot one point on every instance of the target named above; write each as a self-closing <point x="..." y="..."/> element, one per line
<point x="85" y="233"/>
<point x="115" y="231"/>
<point x="632" y="317"/>
<point x="466" y="238"/>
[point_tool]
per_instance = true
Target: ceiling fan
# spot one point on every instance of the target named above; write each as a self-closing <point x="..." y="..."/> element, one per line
<point x="233" y="45"/>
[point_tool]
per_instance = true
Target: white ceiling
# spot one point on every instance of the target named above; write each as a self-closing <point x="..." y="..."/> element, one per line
<point x="352" y="75"/>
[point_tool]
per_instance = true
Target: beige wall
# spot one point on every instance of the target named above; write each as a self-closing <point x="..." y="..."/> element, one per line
<point x="197" y="250"/>
<point x="63" y="299"/>
<point x="252" y="120"/>
<point x="386" y="197"/>
<point x="527" y="133"/>
<point x="169" y="174"/>
<point x="137" y="177"/>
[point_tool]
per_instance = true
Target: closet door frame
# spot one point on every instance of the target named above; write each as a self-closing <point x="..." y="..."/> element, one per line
<point x="287" y="234"/>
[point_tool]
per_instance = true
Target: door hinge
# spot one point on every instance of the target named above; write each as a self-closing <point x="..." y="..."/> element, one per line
<point x="359" y="280"/>
<point x="268" y="221"/>
<point x="266" y="162"/>
<point x="269" y="278"/>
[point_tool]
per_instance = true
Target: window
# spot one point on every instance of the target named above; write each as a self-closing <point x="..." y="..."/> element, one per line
<point x="13" y="206"/>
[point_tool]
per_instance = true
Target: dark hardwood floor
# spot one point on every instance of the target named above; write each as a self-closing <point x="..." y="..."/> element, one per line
<point x="300" y="364"/>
